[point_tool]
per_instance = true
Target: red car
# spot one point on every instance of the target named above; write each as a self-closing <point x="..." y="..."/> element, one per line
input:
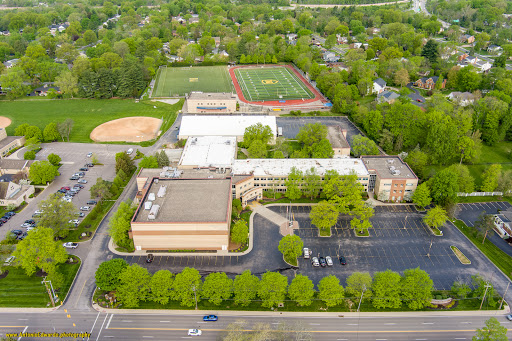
<point x="67" y="188"/>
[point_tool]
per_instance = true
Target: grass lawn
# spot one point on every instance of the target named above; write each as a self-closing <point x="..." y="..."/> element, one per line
<point x="482" y="199"/>
<point x="495" y="255"/>
<point x="20" y="290"/>
<point x="298" y="201"/>
<point x="271" y="83"/>
<point x="90" y="222"/>
<point x="87" y="114"/>
<point x="177" y="81"/>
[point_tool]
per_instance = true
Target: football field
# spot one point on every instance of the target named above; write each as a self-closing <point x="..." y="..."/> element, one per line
<point x="178" y="81"/>
<point x="271" y="84"/>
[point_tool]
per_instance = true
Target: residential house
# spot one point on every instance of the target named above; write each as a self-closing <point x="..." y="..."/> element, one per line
<point x="429" y="83"/>
<point x="378" y="86"/>
<point x="14" y="194"/>
<point x="467" y="39"/>
<point x="341" y="39"/>
<point x="355" y="45"/>
<point x="483" y="65"/>
<point x="479" y="64"/>
<point x="462" y="98"/>
<point x="339" y="65"/>
<point x="387" y="97"/>
<point x="194" y="19"/>
<point x="503" y="224"/>
<point x="179" y="19"/>
<point x="5" y="33"/>
<point x="494" y="48"/>
<point x="44" y="89"/>
<point x="11" y="63"/>
<point x="330" y="57"/>
<point x="217" y="41"/>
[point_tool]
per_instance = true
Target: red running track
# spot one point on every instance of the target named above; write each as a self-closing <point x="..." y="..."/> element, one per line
<point x="289" y="102"/>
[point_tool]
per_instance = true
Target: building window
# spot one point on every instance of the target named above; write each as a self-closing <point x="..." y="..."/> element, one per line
<point x="410" y="185"/>
<point x="400" y="191"/>
<point x="394" y="191"/>
<point x="401" y="185"/>
<point x="408" y="190"/>
<point x="396" y="185"/>
<point x="387" y="184"/>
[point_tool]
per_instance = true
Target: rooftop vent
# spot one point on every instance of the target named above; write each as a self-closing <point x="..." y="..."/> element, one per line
<point x="161" y="191"/>
<point x="151" y="197"/>
<point x="147" y="205"/>
<point x="153" y="212"/>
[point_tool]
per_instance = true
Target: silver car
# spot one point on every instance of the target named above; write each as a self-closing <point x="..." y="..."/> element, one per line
<point x="315" y="261"/>
<point x="328" y="260"/>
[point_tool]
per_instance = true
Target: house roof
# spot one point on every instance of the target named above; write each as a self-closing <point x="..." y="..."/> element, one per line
<point x="380" y="82"/>
<point x="388" y="95"/>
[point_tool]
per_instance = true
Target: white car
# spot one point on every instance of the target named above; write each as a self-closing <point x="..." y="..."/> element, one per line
<point x="194" y="332"/>
<point x="70" y="245"/>
<point x="68" y="199"/>
<point x="328" y="260"/>
<point x="89" y="155"/>
<point x="74" y="221"/>
<point x="315" y="261"/>
<point x="82" y="181"/>
<point x="85" y="208"/>
<point x="307" y="253"/>
<point x="129" y="152"/>
<point x="30" y="228"/>
<point x="38" y="212"/>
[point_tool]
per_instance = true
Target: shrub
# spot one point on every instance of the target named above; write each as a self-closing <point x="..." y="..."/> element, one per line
<point x="29" y="155"/>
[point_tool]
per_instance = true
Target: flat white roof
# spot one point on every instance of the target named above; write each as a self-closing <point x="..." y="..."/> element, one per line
<point x="209" y="125"/>
<point x="208" y="151"/>
<point x="283" y="167"/>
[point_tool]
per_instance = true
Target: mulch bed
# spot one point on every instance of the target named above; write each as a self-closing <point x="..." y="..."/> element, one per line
<point x="4" y="274"/>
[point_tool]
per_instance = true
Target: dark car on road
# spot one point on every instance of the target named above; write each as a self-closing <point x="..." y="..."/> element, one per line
<point x="323" y="264"/>
<point x="149" y="258"/>
<point x="343" y="261"/>
<point x="210" y="318"/>
<point x="74" y="178"/>
<point x="92" y="202"/>
<point x="84" y="169"/>
<point x="17" y="232"/>
<point x="12" y="214"/>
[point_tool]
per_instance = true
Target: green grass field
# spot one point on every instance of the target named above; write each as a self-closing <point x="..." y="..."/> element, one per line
<point x="271" y="84"/>
<point x="178" y="81"/>
<point x="20" y="290"/>
<point x="86" y="114"/>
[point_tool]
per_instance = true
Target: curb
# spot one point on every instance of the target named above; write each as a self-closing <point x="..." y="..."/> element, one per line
<point x="72" y="283"/>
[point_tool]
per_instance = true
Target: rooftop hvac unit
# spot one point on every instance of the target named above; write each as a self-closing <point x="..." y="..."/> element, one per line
<point x="391" y="168"/>
<point x="396" y="172"/>
<point x="161" y="191"/>
<point x="156" y="181"/>
<point x="153" y="212"/>
<point x="147" y="205"/>
<point x="391" y="160"/>
<point x="151" y="197"/>
<point x="165" y="168"/>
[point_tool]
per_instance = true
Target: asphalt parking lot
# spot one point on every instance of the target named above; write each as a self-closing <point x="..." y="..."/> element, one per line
<point x="469" y="214"/>
<point x="74" y="156"/>
<point x="291" y="125"/>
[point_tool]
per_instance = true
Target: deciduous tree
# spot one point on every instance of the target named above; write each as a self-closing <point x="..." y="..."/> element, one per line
<point x="416" y="288"/>
<point x="291" y="247"/>
<point x="42" y="172"/>
<point x="258" y="132"/>
<point x="293" y="184"/>
<point x="217" y="287"/>
<point x="359" y="282"/>
<point x="331" y="291"/>
<point x="56" y="214"/>
<point x="324" y="215"/>
<point x="490" y="178"/>
<point x="435" y="217"/>
<point x="240" y="232"/>
<point x="302" y="290"/>
<point x="386" y="290"/>
<point x="187" y="286"/>
<point x="362" y="145"/>
<point x="107" y="274"/>
<point x="54" y="159"/>
<point x="272" y="289"/>
<point x="133" y="285"/>
<point x="50" y="132"/>
<point x="245" y="288"/>
<point x="493" y="331"/>
<point x="119" y="225"/>
<point x="421" y="195"/>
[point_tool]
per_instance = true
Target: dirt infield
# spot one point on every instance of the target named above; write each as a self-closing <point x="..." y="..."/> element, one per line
<point x="277" y="103"/>
<point x="4" y="122"/>
<point x="128" y="129"/>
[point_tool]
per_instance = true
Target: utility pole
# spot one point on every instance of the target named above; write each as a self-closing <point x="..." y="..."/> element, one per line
<point x="361" y="300"/>
<point x="195" y="295"/>
<point x="405" y="224"/>
<point x="503" y="298"/>
<point x="487" y="286"/>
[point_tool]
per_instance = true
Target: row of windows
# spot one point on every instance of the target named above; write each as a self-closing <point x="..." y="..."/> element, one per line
<point x="212" y="104"/>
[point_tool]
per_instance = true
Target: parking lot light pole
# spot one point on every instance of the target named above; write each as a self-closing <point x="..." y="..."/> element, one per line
<point x="503" y="298"/>
<point x="430" y="247"/>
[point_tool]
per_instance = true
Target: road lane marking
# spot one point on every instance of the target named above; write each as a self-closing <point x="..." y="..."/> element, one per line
<point x="352" y="324"/>
<point x="390" y="324"/>
<point x="428" y="323"/>
<point x="467" y="322"/>
<point x="93" y="325"/>
<point x="99" y="333"/>
<point x="165" y="321"/>
<point x="108" y="323"/>
<point x="23" y="319"/>
<point x="380" y="339"/>
<point x="149" y="337"/>
<point x="460" y="338"/>
<point x="126" y="321"/>
<point x="24" y="330"/>
<point x="421" y="339"/>
<point x="109" y="336"/>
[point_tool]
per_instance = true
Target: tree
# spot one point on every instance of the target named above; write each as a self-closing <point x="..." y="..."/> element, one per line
<point x="217" y="287"/>
<point x="119" y="225"/>
<point x="386" y="290"/>
<point x="431" y="51"/>
<point x="362" y="145"/>
<point x="402" y="77"/>
<point x="421" y="195"/>
<point x="484" y="224"/>
<point x="54" y="159"/>
<point x="29" y="155"/>
<point x="493" y="331"/>
<point x="359" y="283"/>
<point x="310" y="134"/>
<point x="483" y="288"/>
<point x="291" y="248"/>
<point x="331" y="291"/>
<point x="444" y="187"/>
<point x="257" y="150"/>
<point x="490" y="178"/>
<point x="466" y="183"/>
<point x="160" y="287"/>
<point x="50" y="132"/>
<point x="149" y="162"/>
<point x="67" y="82"/>
<point x="461" y="289"/>
<point x="312" y="183"/>
<point x="163" y="159"/>
<point x="125" y="163"/>
<point x="417" y="160"/>
<point x="245" y="288"/>
<point x="272" y="289"/>
<point x="416" y="288"/>
<point x="65" y="128"/>
<point x="39" y="250"/>
<point x="21" y="129"/>
<point x="14" y="79"/>
<point x="101" y="189"/>
<point x="42" y="172"/>
<point x="293" y="184"/>
<point x="133" y="285"/>
<point x="33" y="132"/>
<point x="56" y="214"/>
<point x="187" y="286"/>
<point x="258" y="132"/>
<point x="302" y="290"/>
<point x="435" y="217"/>
<point x="240" y="232"/>
<point x="107" y="274"/>
<point x="324" y="215"/>
<point x="67" y="52"/>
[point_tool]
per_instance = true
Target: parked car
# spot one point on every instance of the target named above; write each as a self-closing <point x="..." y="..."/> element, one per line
<point x="89" y="165"/>
<point x="149" y="258"/>
<point x="509" y="317"/>
<point x="67" y="188"/>
<point x="210" y="318"/>
<point x="22" y="236"/>
<point x="80" y="214"/>
<point x="342" y="260"/>
<point x="74" y="177"/>
<point x="74" y="221"/>
<point x="307" y="253"/>
<point x="70" y="194"/>
<point x="323" y="264"/>
<point x="78" y="186"/>
<point x="38" y="212"/>
<point x="3" y="220"/>
<point x="26" y="225"/>
<point x="85" y="208"/>
<point x="70" y="245"/>
<point x="83" y="169"/>
<point x="12" y="214"/>
<point x="314" y="261"/>
<point x="194" y="332"/>
<point x="30" y="228"/>
<point x="68" y="199"/>
<point x="89" y="154"/>
<point x="92" y="202"/>
<point x="6" y="216"/>
<point x="81" y="174"/>
<point x="129" y="151"/>
<point x="61" y="191"/>
<point x="328" y="260"/>
<point x="17" y="232"/>
<point x="1" y="223"/>
<point x="82" y="181"/>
